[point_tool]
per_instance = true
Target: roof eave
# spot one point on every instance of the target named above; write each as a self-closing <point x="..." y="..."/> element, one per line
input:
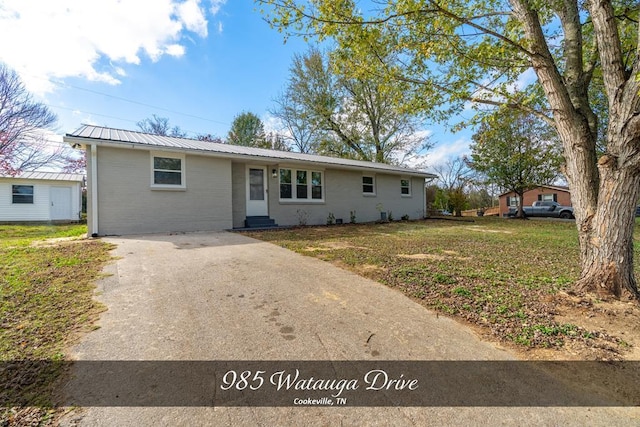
<point x="76" y="141"/>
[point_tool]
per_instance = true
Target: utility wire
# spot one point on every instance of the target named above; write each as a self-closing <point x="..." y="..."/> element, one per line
<point x="67" y="85"/>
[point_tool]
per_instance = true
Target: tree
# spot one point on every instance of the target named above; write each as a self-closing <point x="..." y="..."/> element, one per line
<point x="25" y="129"/>
<point x="516" y="151"/>
<point x="353" y="117"/>
<point x="160" y="126"/>
<point x="210" y="138"/>
<point x="454" y="176"/>
<point x="275" y="141"/>
<point x="299" y="131"/>
<point x="247" y="129"/>
<point x="585" y="59"/>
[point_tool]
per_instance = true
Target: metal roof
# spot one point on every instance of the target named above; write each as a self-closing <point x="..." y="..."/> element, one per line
<point x="88" y="134"/>
<point x="47" y="176"/>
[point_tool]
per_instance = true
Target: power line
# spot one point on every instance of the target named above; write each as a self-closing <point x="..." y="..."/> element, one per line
<point x="190" y="132"/>
<point x="119" y="98"/>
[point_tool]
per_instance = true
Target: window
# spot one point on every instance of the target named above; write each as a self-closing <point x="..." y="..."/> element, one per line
<point x="405" y="187"/>
<point x="513" y="201"/>
<point x="301" y="185"/>
<point x="168" y="171"/>
<point x="22" y="194"/>
<point x="548" y="197"/>
<point x="316" y="185"/>
<point x="368" y="185"/>
<point x="308" y="185"/>
<point x="285" y="184"/>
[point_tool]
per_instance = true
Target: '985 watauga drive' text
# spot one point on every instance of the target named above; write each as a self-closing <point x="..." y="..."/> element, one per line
<point x="374" y="380"/>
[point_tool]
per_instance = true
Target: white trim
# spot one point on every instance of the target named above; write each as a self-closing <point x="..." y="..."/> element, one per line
<point x="257" y="207"/>
<point x="183" y="174"/>
<point x="402" y="186"/>
<point x="33" y="193"/>
<point x="294" y="198"/>
<point x="373" y="184"/>
<point x="94" y="190"/>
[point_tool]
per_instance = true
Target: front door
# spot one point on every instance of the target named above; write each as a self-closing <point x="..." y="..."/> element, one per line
<point x="257" y="202"/>
<point x="60" y="203"/>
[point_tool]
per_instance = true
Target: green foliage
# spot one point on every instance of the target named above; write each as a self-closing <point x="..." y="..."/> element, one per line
<point x="359" y="117"/>
<point x="516" y="151"/>
<point x="248" y="130"/>
<point x="47" y="293"/>
<point x="331" y="219"/>
<point x="352" y="217"/>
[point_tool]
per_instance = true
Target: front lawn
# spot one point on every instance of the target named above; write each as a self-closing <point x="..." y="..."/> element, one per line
<point x="46" y="288"/>
<point x="511" y="278"/>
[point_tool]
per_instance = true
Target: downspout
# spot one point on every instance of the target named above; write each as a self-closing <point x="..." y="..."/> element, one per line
<point x="94" y="191"/>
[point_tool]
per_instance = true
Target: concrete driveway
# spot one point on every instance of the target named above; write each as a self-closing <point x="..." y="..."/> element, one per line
<point x="223" y="296"/>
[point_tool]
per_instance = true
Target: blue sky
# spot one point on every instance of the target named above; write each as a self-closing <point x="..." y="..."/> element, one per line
<point x="197" y="62"/>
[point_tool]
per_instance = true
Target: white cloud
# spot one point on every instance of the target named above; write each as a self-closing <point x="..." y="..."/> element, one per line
<point x="176" y="50"/>
<point x="220" y="27"/>
<point x="216" y="5"/>
<point x="272" y="123"/>
<point x="446" y="151"/>
<point x="193" y="17"/>
<point x="62" y="38"/>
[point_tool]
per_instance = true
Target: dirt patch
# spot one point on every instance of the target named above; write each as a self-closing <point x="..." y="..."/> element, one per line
<point x="487" y="230"/>
<point x="434" y="257"/>
<point x="368" y="270"/>
<point x="330" y="246"/>
<point x="614" y="318"/>
<point x="57" y="241"/>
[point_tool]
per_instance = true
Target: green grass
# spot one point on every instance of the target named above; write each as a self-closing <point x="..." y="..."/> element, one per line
<point x="500" y="274"/>
<point x="46" y="297"/>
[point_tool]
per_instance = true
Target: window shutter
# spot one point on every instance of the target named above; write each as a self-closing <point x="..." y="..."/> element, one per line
<point x="555" y="197"/>
<point x="508" y="201"/>
<point x="539" y="197"/>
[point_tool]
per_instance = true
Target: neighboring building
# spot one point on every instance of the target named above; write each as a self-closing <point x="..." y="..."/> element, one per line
<point x="558" y="194"/>
<point x="40" y="197"/>
<point x="142" y="183"/>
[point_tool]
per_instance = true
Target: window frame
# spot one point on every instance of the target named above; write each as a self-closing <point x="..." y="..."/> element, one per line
<point x="510" y="200"/>
<point x="372" y="193"/>
<point x="182" y="171"/>
<point x="293" y="184"/>
<point x="408" y="187"/>
<point x="14" y="194"/>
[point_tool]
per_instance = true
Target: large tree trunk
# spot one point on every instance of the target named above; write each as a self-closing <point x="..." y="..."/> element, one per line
<point x="603" y="193"/>
<point x="607" y="252"/>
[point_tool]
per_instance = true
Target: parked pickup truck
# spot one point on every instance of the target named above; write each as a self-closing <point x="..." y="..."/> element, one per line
<point x="547" y="209"/>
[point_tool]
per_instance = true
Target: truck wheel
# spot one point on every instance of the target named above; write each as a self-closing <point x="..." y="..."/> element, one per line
<point x="565" y="215"/>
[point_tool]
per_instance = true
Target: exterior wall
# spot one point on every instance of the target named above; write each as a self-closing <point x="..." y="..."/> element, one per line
<point x="343" y="194"/>
<point x="562" y="196"/>
<point x="238" y="173"/>
<point x="40" y="209"/>
<point x="128" y="205"/>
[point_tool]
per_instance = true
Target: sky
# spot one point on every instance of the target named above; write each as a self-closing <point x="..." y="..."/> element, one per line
<point x="198" y="63"/>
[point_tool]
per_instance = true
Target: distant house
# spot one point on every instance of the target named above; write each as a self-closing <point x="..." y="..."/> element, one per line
<point x="558" y="194"/>
<point x="40" y="197"/>
<point x="142" y="183"/>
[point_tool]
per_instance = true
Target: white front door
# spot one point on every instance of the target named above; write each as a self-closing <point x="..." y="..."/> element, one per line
<point x="60" y="203"/>
<point x="257" y="202"/>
